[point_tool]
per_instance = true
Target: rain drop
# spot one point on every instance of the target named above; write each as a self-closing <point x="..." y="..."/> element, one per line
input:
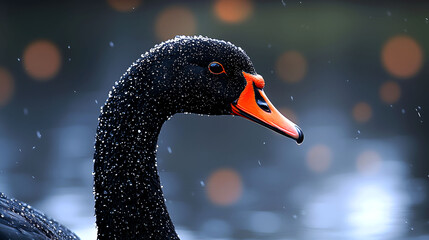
<point x="403" y="111"/>
<point x="202" y="183"/>
<point x="39" y="135"/>
<point x="25" y="111"/>
<point x="169" y="150"/>
<point x="111" y="44"/>
<point x="19" y="59"/>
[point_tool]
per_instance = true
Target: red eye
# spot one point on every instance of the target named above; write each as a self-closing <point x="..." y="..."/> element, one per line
<point x="216" y="68"/>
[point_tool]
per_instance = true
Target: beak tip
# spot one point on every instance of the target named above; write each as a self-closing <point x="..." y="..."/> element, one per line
<point x="300" y="138"/>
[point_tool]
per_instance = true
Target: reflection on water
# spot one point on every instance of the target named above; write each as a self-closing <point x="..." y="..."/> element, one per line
<point x="359" y="207"/>
<point x="363" y="193"/>
<point x="356" y="205"/>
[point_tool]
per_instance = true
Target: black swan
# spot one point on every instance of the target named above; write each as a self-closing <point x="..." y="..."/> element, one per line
<point x="182" y="75"/>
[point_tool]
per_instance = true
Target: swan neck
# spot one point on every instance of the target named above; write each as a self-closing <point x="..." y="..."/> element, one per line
<point x="129" y="201"/>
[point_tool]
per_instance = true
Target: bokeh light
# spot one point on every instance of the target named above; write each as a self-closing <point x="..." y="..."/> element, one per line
<point x="362" y="112"/>
<point x="368" y="162"/>
<point x="42" y="60"/>
<point x="289" y="114"/>
<point x="175" y="20"/>
<point x="350" y="179"/>
<point x="390" y="92"/>
<point x="319" y="158"/>
<point x="372" y="211"/>
<point x="124" y="5"/>
<point x="224" y="187"/>
<point x="291" y="66"/>
<point x="233" y="11"/>
<point x="402" y="56"/>
<point x="6" y="86"/>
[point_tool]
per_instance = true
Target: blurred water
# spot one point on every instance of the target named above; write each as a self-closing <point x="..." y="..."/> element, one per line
<point x="280" y="201"/>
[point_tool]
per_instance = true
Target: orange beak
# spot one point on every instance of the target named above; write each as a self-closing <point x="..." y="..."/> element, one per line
<point x="254" y="105"/>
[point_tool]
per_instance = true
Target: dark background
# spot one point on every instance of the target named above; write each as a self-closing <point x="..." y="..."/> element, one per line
<point x="361" y="173"/>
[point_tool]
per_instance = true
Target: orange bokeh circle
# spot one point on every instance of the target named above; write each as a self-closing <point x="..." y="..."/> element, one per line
<point x="362" y="112"/>
<point x="42" y="60"/>
<point x="368" y="162"/>
<point x="233" y="11"/>
<point x="124" y="5"/>
<point x="390" y="92"/>
<point x="402" y="56"/>
<point x="319" y="158"/>
<point x="176" y="20"/>
<point x="291" y="66"/>
<point x="224" y="187"/>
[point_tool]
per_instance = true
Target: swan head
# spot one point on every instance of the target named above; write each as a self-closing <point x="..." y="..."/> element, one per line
<point x="214" y="77"/>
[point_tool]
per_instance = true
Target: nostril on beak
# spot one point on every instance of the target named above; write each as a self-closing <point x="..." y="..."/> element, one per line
<point x="263" y="105"/>
<point x="260" y="100"/>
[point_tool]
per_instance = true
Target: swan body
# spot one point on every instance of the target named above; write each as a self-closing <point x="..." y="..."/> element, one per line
<point x="186" y="74"/>
<point x="19" y="220"/>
